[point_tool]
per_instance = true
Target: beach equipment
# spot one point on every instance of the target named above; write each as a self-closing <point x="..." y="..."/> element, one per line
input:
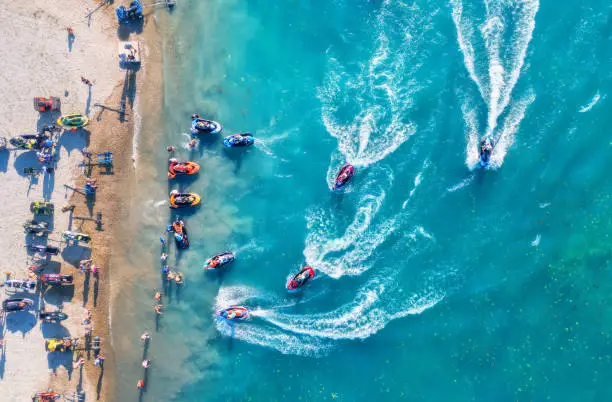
<point x="219" y="260"/>
<point x="34" y="226"/>
<point x="133" y="13"/>
<point x="203" y="126"/>
<point x="300" y="279"/>
<point x="57" y="279"/>
<point x="129" y="54"/>
<point x="16" y="304"/>
<point x="31" y="141"/>
<point x="42" y="208"/>
<point x="183" y="200"/>
<point x="344" y="175"/>
<point x="61" y="344"/>
<point x="52" y="316"/>
<point x="239" y="140"/>
<point x="19" y="284"/>
<point x="76" y="237"/>
<point x="180" y="233"/>
<point x="51" y="103"/>
<point x="176" y="168"/>
<point x="73" y="121"/>
<point x="234" y="313"/>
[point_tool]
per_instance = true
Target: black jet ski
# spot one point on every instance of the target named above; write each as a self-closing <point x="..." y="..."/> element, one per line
<point x="42" y="208"/>
<point x="234" y="313"/>
<point x="34" y="226"/>
<point x="239" y="140"/>
<point x="484" y="152"/>
<point x="300" y="279"/>
<point x="52" y="316"/>
<point x="203" y="126"/>
<point x="180" y="233"/>
<point x="219" y="260"/>
<point x="76" y="237"/>
<point x="344" y="175"/>
<point x="42" y="249"/>
<point x="31" y="141"/>
<point x="17" y="304"/>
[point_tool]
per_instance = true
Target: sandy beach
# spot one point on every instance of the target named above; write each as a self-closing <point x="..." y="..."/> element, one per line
<point x="41" y="59"/>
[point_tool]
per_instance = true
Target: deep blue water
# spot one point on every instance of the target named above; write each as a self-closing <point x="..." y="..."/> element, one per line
<point x="435" y="280"/>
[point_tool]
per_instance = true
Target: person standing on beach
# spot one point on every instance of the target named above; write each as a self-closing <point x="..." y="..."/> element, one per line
<point x="145" y="336"/>
<point x="86" y="81"/>
<point x="99" y="360"/>
<point x="146" y="364"/>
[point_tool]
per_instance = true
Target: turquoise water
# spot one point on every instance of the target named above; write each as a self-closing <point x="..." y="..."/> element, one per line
<point x="435" y="281"/>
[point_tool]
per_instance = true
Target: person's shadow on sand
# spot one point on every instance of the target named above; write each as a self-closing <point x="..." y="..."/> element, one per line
<point x="25" y="160"/>
<point x="4" y="158"/>
<point x="48" y="185"/>
<point x="71" y="141"/>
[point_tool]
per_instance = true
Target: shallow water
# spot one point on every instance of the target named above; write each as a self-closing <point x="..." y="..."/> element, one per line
<point x="434" y="281"/>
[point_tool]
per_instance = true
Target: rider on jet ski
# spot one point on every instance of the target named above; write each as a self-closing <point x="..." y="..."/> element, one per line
<point x="301" y="278"/>
<point x="486" y="148"/>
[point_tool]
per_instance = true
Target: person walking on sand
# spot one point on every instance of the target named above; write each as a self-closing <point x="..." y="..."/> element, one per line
<point x="86" y="81"/>
<point x="78" y="363"/>
<point x="163" y="257"/>
<point x="171" y="149"/>
<point x="146" y="363"/>
<point x="158" y="296"/>
<point x="99" y="360"/>
<point x="140" y="384"/>
<point x="158" y="309"/>
<point x="145" y="336"/>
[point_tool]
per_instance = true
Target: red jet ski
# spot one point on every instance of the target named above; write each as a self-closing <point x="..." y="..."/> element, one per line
<point x="300" y="279"/>
<point x="344" y="175"/>
<point x="234" y="313"/>
<point x="57" y="279"/>
<point x="219" y="260"/>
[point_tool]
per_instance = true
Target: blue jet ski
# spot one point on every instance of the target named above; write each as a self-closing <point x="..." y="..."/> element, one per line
<point x="239" y="140"/>
<point x="485" y="151"/>
<point x="203" y="126"/>
<point x="129" y="14"/>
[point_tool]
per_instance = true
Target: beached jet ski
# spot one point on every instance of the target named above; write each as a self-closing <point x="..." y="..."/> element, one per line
<point x="73" y="120"/>
<point x="52" y="316"/>
<point x="34" y="226"/>
<point x="76" y="237"/>
<point x="239" y="140"/>
<point x="234" y="313"/>
<point x="344" y="175"/>
<point x="183" y="200"/>
<point x="57" y="279"/>
<point x="300" y="279"/>
<point x="176" y="168"/>
<point x="133" y="13"/>
<point x="180" y="233"/>
<point x="484" y="153"/>
<point x="20" y="284"/>
<point x="42" y="208"/>
<point x="43" y="249"/>
<point x="61" y="344"/>
<point x="31" y="141"/>
<point x="203" y="126"/>
<point x="17" y="304"/>
<point x="219" y="260"/>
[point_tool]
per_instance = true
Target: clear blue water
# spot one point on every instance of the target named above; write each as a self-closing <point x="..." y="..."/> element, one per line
<point x="435" y="280"/>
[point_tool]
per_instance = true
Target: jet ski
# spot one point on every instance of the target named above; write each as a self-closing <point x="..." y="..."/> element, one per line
<point x="183" y="200"/>
<point x="17" y="304"/>
<point x="76" y="237"/>
<point x="20" y="284"/>
<point x="61" y="344"/>
<point x="180" y="233"/>
<point x="46" y="396"/>
<point x="176" y="168"/>
<point x="41" y="208"/>
<point x="57" y="279"/>
<point x="74" y="120"/>
<point x="484" y="153"/>
<point x="34" y="226"/>
<point x="203" y="126"/>
<point x="343" y="176"/>
<point x="239" y="140"/>
<point x="300" y="279"/>
<point x="219" y="260"/>
<point x="133" y="13"/>
<point x="42" y="249"/>
<point x="31" y="141"/>
<point x="52" y="316"/>
<point x="234" y="313"/>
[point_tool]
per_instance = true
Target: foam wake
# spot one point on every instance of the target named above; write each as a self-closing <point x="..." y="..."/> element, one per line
<point x="494" y="61"/>
<point x="365" y="107"/>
